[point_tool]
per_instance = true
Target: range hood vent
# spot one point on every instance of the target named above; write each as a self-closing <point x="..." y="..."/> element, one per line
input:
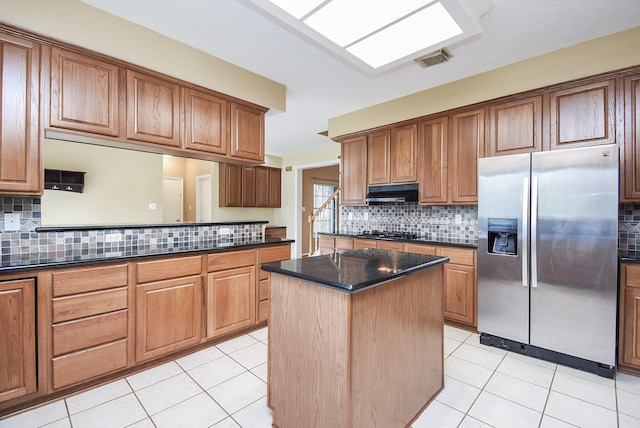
<point x="392" y="193"/>
<point x="434" y="58"/>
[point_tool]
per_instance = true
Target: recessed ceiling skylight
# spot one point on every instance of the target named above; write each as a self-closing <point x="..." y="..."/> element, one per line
<point x="379" y="34"/>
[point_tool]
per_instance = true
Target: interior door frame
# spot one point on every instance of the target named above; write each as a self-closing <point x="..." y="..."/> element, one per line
<point x="181" y="205"/>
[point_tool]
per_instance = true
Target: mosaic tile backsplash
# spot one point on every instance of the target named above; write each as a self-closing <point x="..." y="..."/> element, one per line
<point x="629" y="227"/>
<point x="27" y="243"/>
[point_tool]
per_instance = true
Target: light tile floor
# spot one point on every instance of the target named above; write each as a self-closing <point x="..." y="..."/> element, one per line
<point x="224" y="387"/>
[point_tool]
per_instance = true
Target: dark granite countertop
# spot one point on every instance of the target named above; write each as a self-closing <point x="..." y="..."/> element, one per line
<point x="629" y="256"/>
<point x="426" y="240"/>
<point x="144" y="225"/>
<point x="355" y="270"/>
<point x="36" y="261"/>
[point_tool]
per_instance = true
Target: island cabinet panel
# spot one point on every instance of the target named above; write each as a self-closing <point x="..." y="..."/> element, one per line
<point x="583" y="116"/>
<point x="630" y="167"/>
<point x="231" y="300"/>
<point x="17" y="339"/>
<point x="206" y="122"/>
<point x="629" y="352"/>
<point x="153" y="109"/>
<point x="353" y="172"/>
<point x="268" y="255"/>
<point x="20" y="148"/>
<point x="379" y="157"/>
<point x="467" y="139"/>
<point x="84" y="93"/>
<point x="247" y="133"/>
<point x="432" y="158"/>
<point x="515" y="127"/>
<point x="404" y="152"/>
<point x="90" y="321"/>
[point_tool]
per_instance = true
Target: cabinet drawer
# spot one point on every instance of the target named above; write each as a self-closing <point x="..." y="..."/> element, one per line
<point x="457" y="255"/>
<point x="420" y="249"/>
<point x="157" y="270"/>
<point x="84" y="365"/>
<point x="87" y="332"/>
<point x="83" y="280"/>
<point x="263" y="289"/>
<point x="231" y="260"/>
<point x="263" y="310"/>
<point x="275" y="254"/>
<point x="390" y="245"/>
<point x="631" y="275"/>
<point x="88" y="304"/>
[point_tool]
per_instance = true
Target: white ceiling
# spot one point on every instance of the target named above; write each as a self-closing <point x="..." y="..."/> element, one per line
<point x="321" y="86"/>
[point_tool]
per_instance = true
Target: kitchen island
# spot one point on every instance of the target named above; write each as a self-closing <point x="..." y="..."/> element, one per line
<point x="355" y="338"/>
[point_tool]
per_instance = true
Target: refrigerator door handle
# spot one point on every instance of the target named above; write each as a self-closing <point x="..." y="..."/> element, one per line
<point x="534" y="231"/>
<point x="525" y="234"/>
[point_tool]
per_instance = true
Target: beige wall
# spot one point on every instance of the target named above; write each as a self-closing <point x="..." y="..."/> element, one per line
<point x="75" y="22"/>
<point x="325" y="175"/>
<point x="119" y="185"/>
<point x="597" y="56"/>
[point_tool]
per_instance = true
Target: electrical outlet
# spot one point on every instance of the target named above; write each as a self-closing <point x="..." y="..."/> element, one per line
<point x="350" y="216"/>
<point x="224" y="231"/>
<point x="152" y="205"/>
<point x="458" y="218"/>
<point x="11" y="222"/>
<point x="366" y="216"/>
<point x="113" y="237"/>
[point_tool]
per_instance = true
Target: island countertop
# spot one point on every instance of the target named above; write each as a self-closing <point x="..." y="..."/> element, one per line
<point x="355" y="270"/>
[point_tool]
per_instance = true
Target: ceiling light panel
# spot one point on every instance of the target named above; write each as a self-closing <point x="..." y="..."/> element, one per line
<point x="346" y="21"/>
<point x="427" y="27"/>
<point x="297" y="8"/>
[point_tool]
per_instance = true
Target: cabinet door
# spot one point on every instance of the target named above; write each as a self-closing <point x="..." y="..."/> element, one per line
<point x="432" y="158"/>
<point x="379" y="158"/>
<point x="20" y="152"/>
<point x="583" y="116"/>
<point x="168" y="316"/>
<point x="326" y="244"/>
<point x="404" y="154"/>
<point x="275" y="188"/>
<point x="359" y="244"/>
<point x="344" y="244"/>
<point x="515" y="127"/>
<point x="248" y="186"/>
<point x="459" y="294"/>
<point x="630" y="168"/>
<point x="466" y="140"/>
<point x="153" y="110"/>
<point x="247" y="133"/>
<point x="206" y="122"/>
<point x="84" y="93"/>
<point x="353" y="171"/>
<point x="390" y="245"/>
<point x="231" y="300"/>
<point x="17" y="338"/>
<point x="630" y="352"/>
<point x="230" y="185"/>
<point x="262" y="187"/>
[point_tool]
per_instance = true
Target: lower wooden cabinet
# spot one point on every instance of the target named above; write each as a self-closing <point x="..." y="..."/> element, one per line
<point x="231" y="297"/>
<point x="17" y="339"/>
<point x="268" y="255"/>
<point x="460" y="285"/>
<point x="629" y="343"/>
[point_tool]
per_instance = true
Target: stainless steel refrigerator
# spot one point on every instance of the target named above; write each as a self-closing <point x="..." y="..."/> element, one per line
<point x="547" y="255"/>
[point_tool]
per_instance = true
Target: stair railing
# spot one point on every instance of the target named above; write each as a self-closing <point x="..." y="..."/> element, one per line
<point x="314" y="215"/>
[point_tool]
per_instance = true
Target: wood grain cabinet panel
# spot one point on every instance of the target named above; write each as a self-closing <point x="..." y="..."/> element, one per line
<point x="84" y="93"/>
<point x="20" y="148"/>
<point x="230" y="193"/>
<point x="153" y="109"/>
<point x="17" y="339"/>
<point x="74" y="281"/>
<point x="248" y="186"/>
<point x="460" y="285"/>
<point x="629" y="343"/>
<point x="89" y="304"/>
<point x="161" y="269"/>
<point x="78" y="367"/>
<point x="466" y="140"/>
<point x="206" y="122"/>
<point x="630" y="167"/>
<point x="231" y="260"/>
<point x="231" y="300"/>
<point x="87" y="332"/>
<point x="353" y="172"/>
<point x="404" y="152"/>
<point x="583" y="116"/>
<point x="432" y="158"/>
<point x="268" y="255"/>
<point x="515" y="127"/>
<point x="275" y="188"/>
<point x="379" y="157"/>
<point x="262" y="187"/>
<point x="247" y="133"/>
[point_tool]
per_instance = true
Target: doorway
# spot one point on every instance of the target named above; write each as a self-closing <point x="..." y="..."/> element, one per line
<point x="317" y="185"/>
<point x="172" y="199"/>
<point x="203" y="198"/>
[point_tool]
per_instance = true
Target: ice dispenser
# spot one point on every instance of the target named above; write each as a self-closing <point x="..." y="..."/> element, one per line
<point x="503" y="236"/>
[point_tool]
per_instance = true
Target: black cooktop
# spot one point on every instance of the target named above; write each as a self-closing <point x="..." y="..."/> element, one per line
<point x="389" y="234"/>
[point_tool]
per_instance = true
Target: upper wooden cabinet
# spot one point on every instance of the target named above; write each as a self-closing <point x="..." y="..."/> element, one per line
<point x="379" y="157"/>
<point x="404" y="151"/>
<point x="432" y="157"/>
<point x="515" y="127"/>
<point x="467" y="139"/>
<point x="583" y="115"/>
<point x="630" y="167"/>
<point x="20" y="152"/>
<point x="250" y="186"/>
<point x="84" y="93"/>
<point x="353" y="173"/>
<point x="275" y="187"/>
<point x="206" y="122"/>
<point x="153" y="109"/>
<point x="247" y="132"/>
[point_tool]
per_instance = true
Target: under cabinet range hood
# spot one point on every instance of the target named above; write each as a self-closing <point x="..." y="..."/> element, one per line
<point x="392" y="193"/>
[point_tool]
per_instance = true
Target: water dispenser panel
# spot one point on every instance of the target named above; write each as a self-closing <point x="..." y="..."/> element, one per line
<point x="503" y="236"/>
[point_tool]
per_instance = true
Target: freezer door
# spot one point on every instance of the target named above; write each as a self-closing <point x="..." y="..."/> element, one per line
<point x="503" y="292"/>
<point x="574" y="252"/>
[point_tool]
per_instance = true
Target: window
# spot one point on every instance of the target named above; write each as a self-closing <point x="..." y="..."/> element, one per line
<point x="326" y="221"/>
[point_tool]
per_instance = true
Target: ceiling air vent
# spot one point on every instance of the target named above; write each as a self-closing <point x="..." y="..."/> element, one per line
<point x="434" y="58"/>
